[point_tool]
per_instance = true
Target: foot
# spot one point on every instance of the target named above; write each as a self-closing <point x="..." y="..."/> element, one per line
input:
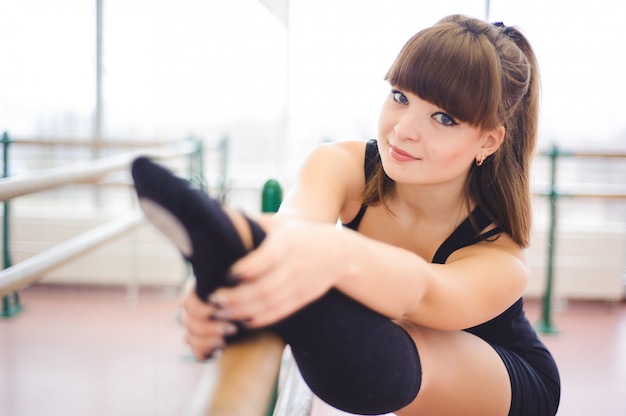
<point x="210" y="237"/>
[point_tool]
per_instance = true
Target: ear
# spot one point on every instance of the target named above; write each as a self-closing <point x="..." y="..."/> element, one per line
<point x="490" y="143"/>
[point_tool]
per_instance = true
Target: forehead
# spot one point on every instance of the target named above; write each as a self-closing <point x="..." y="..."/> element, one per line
<point x="452" y="69"/>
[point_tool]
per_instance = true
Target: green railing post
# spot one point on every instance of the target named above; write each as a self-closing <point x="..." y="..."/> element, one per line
<point x="545" y="325"/>
<point x="271" y="198"/>
<point x="11" y="302"/>
<point x="223" y="169"/>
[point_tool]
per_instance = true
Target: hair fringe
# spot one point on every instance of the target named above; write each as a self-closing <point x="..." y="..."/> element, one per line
<point x="497" y="84"/>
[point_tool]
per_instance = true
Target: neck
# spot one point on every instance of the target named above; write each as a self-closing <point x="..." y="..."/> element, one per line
<point x="434" y="203"/>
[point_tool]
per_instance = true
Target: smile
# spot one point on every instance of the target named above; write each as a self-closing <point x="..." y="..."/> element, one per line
<point x="400" y="155"/>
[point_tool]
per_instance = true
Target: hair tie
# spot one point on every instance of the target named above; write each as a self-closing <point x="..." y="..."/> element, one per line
<point x="507" y="30"/>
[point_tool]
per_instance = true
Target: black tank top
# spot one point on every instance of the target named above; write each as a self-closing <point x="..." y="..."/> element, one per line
<point x="467" y="233"/>
<point x="510" y="329"/>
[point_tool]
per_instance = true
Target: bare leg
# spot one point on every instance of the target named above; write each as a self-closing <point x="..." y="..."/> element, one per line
<point x="462" y="375"/>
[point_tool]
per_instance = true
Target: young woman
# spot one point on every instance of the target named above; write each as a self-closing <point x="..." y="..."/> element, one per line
<point x="414" y="306"/>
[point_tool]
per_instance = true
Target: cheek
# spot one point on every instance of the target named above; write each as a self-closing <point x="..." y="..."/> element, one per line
<point x="454" y="158"/>
<point x="458" y="156"/>
<point x="460" y="148"/>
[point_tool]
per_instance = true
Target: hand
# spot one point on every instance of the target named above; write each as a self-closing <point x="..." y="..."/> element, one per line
<point x="205" y="335"/>
<point x="297" y="263"/>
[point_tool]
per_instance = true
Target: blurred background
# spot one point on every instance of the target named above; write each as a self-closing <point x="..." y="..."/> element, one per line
<point x="277" y="77"/>
<point x="254" y="86"/>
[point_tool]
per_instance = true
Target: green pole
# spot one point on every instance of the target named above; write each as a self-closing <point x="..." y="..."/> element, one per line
<point x="545" y="325"/>
<point x="271" y="198"/>
<point x="223" y="169"/>
<point x="11" y="302"/>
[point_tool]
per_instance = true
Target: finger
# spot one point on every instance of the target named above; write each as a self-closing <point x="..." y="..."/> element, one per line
<point x="256" y="303"/>
<point x="267" y="313"/>
<point x="275" y="306"/>
<point x="204" y="348"/>
<point x="207" y="326"/>
<point x="260" y="261"/>
<point x="241" y="302"/>
<point x="194" y="306"/>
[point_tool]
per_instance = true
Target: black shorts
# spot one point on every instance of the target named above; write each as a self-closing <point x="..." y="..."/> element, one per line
<point x="535" y="383"/>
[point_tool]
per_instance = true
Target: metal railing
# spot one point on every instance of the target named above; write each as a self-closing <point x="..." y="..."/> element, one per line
<point x="546" y="324"/>
<point x="29" y="271"/>
<point x="244" y="380"/>
<point x="15" y="277"/>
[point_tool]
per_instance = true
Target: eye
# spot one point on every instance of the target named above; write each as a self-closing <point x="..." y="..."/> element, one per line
<point x="445" y="119"/>
<point x="399" y="97"/>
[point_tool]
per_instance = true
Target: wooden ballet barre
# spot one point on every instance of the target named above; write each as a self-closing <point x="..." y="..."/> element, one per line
<point x="241" y="383"/>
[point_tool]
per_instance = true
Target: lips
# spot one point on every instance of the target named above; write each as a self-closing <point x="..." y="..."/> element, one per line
<point x="400" y="155"/>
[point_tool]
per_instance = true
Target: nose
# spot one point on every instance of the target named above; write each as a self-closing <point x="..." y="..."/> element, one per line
<point x="407" y="127"/>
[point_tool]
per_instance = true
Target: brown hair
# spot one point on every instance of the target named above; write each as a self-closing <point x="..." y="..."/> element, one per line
<point x="485" y="75"/>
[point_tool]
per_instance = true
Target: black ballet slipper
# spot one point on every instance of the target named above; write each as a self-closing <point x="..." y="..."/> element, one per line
<point x="194" y="222"/>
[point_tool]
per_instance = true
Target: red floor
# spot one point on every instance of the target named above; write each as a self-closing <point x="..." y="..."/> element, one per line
<point x="93" y="352"/>
<point x="591" y="352"/>
<point x="87" y="351"/>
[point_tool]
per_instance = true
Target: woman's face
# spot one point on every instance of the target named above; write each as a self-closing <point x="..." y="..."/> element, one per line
<point x="423" y="145"/>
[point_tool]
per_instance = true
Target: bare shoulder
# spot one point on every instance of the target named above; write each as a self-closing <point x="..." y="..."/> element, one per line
<point x="338" y="163"/>
<point x="331" y="175"/>
<point x="350" y="152"/>
<point x="354" y="148"/>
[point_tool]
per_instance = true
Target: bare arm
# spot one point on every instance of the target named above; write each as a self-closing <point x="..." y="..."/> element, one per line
<point x="300" y="260"/>
<point x="476" y="283"/>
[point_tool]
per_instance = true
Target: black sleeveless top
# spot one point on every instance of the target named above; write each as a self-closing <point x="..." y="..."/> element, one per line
<point x="534" y="376"/>
<point x="510" y="328"/>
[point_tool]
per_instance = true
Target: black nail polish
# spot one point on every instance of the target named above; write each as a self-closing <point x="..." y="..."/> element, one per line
<point x="229" y="329"/>
<point x="215" y="300"/>
<point x="218" y="316"/>
<point x="245" y="322"/>
<point x="223" y="314"/>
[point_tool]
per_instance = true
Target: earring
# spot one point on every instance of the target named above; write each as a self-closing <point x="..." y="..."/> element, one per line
<point x="480" y="160"/>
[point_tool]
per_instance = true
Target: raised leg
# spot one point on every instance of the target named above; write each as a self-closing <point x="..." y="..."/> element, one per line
<point x="350" y="356"/>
